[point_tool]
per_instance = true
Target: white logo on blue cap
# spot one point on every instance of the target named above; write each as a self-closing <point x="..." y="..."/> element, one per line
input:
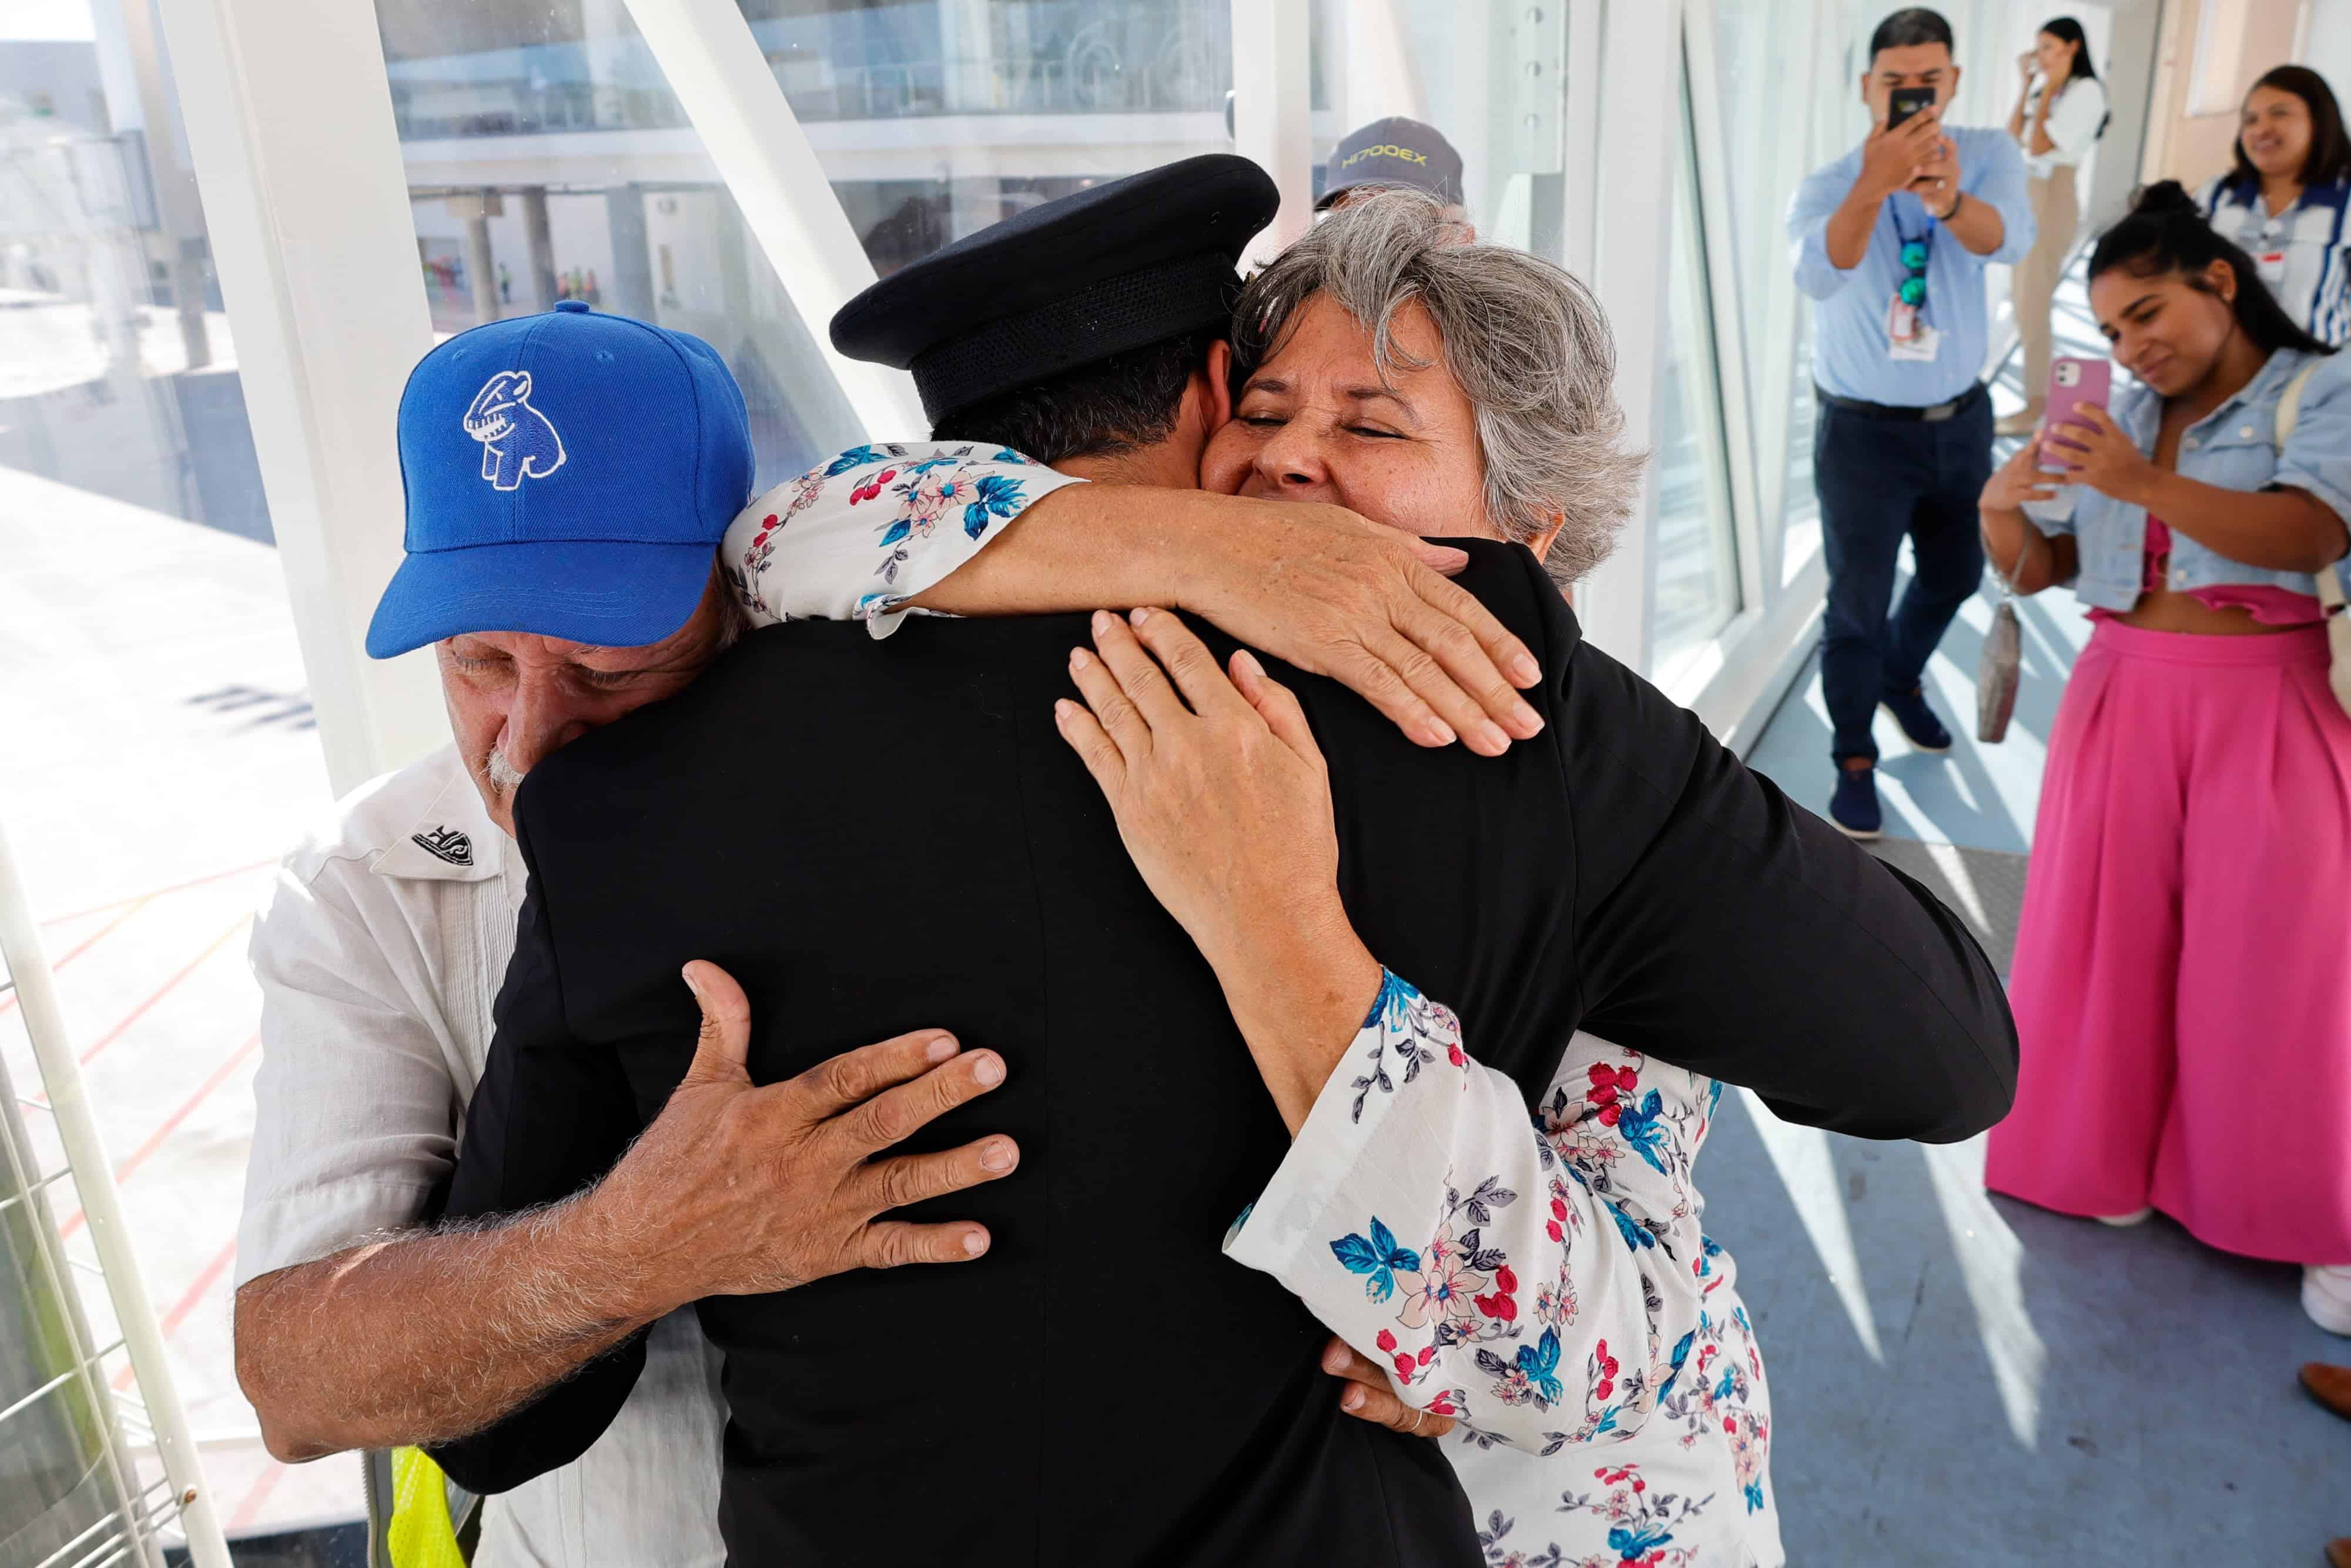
<point x="518" y="442"/>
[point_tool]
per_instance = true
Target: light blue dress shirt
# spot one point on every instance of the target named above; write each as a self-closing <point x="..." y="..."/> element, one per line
<point x="2234" y="447"/>
<point x="1849" y="350"/>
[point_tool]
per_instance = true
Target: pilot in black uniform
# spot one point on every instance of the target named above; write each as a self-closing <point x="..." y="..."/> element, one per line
<point x="875" y="837"/>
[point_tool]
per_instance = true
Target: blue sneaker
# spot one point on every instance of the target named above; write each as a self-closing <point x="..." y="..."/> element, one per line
<point x="1920" y="724"/>
<point x="1853" y="807"/>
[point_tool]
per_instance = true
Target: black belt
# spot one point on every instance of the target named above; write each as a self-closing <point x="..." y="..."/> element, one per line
<point x="1940" y="411"/>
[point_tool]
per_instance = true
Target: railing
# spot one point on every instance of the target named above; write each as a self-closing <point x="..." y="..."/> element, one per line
<point x="73" y="1490"/>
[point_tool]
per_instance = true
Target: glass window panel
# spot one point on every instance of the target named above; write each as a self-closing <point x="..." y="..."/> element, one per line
<point x="1024" y="99"/>
<point x="933" y="119"/>
<point x="160" y="751"/>
<point x="1763" y="70"/>
<point x="1697" y="569"/>
<point x="547" y="159"/>
<point x="1479" y="76"/>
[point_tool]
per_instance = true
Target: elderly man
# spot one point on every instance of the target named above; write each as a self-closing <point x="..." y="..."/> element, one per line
<point x="568" y="476"/>
<point x="1623" y="871"/>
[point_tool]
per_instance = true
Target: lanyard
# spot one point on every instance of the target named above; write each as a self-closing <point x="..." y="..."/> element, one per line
<point x="1921" y="246"/>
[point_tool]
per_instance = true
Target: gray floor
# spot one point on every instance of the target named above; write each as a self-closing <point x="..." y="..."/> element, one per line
<point x="1961" y="1379"/>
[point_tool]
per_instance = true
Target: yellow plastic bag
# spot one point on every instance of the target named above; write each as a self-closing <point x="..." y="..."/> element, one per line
<point x="421" y="1534"/>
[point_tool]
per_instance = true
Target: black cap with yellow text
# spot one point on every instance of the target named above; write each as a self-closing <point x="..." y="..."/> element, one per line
<point x="1395" y="152"/>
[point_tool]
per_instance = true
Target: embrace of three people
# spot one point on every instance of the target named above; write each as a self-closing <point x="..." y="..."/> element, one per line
<point x="1300" y="998"/>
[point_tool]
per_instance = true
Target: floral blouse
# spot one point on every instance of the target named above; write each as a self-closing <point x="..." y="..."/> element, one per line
<point x="1543" y="1279"/>
<point x="855" y="538"/>
<point x="1546" y="1284"/>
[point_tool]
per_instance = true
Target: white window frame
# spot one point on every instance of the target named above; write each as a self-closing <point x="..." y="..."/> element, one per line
<point x="1736" y="680"/>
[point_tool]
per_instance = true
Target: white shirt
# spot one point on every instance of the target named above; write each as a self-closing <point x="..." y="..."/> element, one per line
<point x="380" y="949"/>
<point x="2073" y="127"/>
<point x="2303" y="253"/>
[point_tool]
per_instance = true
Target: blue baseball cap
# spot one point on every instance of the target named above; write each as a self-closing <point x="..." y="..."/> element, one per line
<point x="567" y="473"/>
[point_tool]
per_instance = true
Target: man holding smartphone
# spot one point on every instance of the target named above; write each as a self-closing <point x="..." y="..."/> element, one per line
<point x="1891" y="243"/>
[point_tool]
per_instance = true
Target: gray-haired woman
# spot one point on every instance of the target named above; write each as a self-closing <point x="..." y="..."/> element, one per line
<point x="1546" y="1286"/>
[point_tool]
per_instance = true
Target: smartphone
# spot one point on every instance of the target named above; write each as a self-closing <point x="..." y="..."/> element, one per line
<point x="1907" y="101"/>
<point x="2073" y="384"/>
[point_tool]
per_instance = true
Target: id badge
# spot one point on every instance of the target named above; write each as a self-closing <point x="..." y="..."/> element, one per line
<point x="2272" y="267"/>
<point x="1906" y="336"/>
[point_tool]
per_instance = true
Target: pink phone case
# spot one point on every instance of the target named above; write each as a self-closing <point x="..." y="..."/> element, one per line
<point x="2073" y="384"/>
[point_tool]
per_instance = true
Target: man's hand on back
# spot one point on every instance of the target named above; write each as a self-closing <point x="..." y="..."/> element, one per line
<point x="699" y="1191"/>
<point x="430" y="1335"/>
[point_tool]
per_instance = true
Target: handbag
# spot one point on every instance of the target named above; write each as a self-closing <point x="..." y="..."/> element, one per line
<point x="2001" y="667"/>
<point x="2329" y="577"/>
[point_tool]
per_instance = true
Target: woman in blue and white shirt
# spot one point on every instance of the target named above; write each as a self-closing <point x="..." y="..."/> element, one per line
<point x="2286" y="201"/>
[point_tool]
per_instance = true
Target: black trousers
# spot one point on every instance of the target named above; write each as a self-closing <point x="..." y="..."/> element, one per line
<point x="1881" y="480"/>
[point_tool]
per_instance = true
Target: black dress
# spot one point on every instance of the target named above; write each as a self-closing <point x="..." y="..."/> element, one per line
<point x="876" y="838"/>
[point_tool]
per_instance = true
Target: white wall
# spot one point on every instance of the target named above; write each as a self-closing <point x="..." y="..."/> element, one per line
<point x="2329" y="51"/>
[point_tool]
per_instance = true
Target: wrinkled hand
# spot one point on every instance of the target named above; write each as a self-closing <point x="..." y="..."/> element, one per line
<point x="2019" y="482"/>
<point x="1892" y="160"/>
<point x="1371" y="1396"/>
<point x="737" y="1190"/>
<point x="2093" y="450"/>
<point x="1339" y="595"/>
<point x="1224" y="804"/>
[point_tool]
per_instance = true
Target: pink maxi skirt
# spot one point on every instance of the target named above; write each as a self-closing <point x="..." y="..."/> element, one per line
<point x="2182" y="985"/>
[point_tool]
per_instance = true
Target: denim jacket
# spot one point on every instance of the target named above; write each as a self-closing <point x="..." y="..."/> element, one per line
<point x="2234" y="448"/>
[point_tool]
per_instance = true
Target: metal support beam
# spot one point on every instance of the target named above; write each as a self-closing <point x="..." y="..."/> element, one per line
<point x="289" y="118"/>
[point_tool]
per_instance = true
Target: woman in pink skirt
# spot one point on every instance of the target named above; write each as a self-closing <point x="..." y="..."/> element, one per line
<point x="2182" y="986"/>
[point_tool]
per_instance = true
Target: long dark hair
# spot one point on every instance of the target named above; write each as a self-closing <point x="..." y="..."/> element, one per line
<point x="2330" y="146"/>
<point x="2066" y="30"/>
<point x="2165" y="231"/>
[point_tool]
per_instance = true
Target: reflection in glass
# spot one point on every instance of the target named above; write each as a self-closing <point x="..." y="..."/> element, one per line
<point x="548" y="161"/>
<point x="1489" y="80"/>
<point x="1761" y="63"/>
<point x="934" y="119"/>
<point x="117" y="376"/>
<point x="1697" y="574"/>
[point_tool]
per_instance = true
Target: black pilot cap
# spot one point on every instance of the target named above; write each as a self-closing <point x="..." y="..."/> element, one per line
<point x="1066" y="283"/>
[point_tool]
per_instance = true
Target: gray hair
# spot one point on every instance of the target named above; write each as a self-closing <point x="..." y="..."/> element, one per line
<point x="1525" y="341"/>
<point x="734" y="615"/>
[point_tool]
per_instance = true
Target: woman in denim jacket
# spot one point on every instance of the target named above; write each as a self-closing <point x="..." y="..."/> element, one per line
<point x="2182" y="986"/>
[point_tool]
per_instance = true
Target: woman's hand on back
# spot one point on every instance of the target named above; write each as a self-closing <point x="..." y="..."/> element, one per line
<point x="1223" y="799"/>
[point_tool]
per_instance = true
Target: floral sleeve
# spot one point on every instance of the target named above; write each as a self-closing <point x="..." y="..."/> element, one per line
<point x="856" y="538"/>
<point x="1542" y="1281"/>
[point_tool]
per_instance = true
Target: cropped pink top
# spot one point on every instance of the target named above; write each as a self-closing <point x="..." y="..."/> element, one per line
<point x="2270" y="606"/>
